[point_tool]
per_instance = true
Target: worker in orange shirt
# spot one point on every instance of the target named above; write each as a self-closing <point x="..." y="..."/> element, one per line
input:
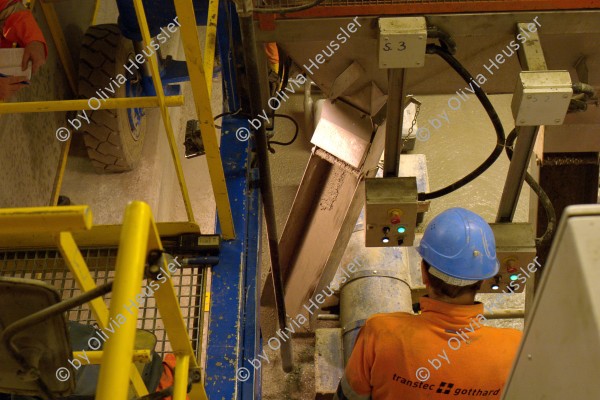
<point x="19" y="27"/>
<point x="446" y="351"/>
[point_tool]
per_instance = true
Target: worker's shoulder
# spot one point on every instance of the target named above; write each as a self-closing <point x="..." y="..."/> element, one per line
<point x="506" y="334"/>
<point x="376" y="320"/>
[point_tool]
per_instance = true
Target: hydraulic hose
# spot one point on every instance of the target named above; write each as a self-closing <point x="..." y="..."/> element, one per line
<point x="487" y="105"/>
<point x="539" y="191"/>
<point x="444" y="37"/>
<point x="580" y="87"/>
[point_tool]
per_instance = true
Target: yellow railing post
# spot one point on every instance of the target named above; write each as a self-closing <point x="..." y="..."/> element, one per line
<point x="45" y="219"/>
<point x="210" y="42"/>
<point x="143" y="24"/>
<point x="193" y="57"/>
<point x="74" y="260"/>
<point x="182" y="365"/>
<point x="129" y="272"/>
<point x="82" y="104"/>
<point x="139" y="235"/>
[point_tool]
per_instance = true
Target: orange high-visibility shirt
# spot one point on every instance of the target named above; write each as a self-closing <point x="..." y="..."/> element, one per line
<point x="445" y="352"/>
<point x="18" y="25"/>
<point x="272" y="52"/>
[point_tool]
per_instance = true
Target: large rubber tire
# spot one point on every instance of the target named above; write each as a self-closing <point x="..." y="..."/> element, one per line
<point x="112" y="144"/>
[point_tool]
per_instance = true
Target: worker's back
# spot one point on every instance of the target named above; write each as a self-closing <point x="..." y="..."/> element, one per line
<point x="445" y="352"/>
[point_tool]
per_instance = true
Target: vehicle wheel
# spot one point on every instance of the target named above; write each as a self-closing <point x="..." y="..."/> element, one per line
<point x="113" y="138"/>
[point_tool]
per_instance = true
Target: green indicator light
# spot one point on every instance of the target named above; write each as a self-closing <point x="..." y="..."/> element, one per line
<point x="401" y="229"/>
<point x="514" y="277"/>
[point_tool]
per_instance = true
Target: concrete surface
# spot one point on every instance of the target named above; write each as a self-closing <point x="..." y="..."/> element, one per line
<point x="29" y="150"/>
<point x="154" y="180"/>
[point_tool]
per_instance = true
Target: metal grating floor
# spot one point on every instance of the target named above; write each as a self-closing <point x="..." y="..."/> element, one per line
<point x="49" y="266"/>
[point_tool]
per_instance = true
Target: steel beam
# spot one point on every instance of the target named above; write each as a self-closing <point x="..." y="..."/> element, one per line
<point x="532" y="58"/>
<point x="233" y="331"/>
<point x="516" y="173"/>
<point x="394" y="122"/>
<point x="266" y="187"/>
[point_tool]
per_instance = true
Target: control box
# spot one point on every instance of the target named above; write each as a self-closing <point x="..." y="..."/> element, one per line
<point x="402" y="42"/>
<point x="390" y="211"/>
<point x="542" y="98"/>
<point x="515" y="250"/>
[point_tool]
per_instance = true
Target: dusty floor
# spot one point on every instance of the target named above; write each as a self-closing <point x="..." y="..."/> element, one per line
<point x="30" y="139"/>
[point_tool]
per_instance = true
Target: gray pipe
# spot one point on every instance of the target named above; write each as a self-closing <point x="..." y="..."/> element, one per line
<point x="394" y="122"/>
<point x="369" y="292"/>
<point x="266" y="188"/>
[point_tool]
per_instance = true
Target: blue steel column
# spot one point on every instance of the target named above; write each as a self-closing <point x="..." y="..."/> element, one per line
<point x="233" y="326"/>
<point x="228" y="34"/>
<point x="251" y="389"/>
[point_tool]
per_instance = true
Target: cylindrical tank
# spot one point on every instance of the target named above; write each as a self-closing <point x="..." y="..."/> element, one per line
<point x="369" y="292"/>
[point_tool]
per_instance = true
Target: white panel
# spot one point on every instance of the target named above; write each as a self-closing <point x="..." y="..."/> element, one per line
<point x="560" y="356"/>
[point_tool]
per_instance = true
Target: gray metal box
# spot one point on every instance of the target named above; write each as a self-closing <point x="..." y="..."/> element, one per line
<point x="402" y="42"/>
<point x="515" y="250"/>
<point x="390" y="211"/>
<point x="542" y="98"/>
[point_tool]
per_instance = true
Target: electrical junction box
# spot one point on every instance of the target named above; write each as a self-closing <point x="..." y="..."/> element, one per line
<point x="402" y="42"/>
<point x="515" y="250"/>
<point x="390" y="211"/>
<point x="542" y="98"/>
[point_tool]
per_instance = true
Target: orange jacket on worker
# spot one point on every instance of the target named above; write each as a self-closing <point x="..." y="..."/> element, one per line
<point x="18" y="25"/>
<point x="443" y="353"/>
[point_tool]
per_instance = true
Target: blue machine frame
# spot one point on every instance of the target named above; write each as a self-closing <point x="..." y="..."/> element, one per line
<point x="234" y="326"/>
<point x="234" y="329"/>
<point x="159" y="13"/>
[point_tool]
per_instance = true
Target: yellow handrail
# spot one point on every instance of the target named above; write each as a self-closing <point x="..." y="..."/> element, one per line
<point x="201" y="83"/>
<point x="139" y="235"/>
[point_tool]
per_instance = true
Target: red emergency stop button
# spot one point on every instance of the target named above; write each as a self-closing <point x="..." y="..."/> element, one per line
<point x="395" y="217"/>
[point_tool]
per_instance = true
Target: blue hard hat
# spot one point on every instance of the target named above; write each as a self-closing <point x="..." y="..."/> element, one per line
<point x="460" y="244"/>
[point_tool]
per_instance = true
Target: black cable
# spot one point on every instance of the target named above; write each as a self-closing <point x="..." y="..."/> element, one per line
<point x="271" y="142"/>
<point x="297" y="129"/>
<point x="287" y="9"/>
<point x="539" y="191"/>
<point x="577" y="106"/>
<point x="457" y="66"/>
<point x="226" y="113"/>
<point x="444" y="37"/>
<point x="286" y="67"/>
<point x="580" y="87"/>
